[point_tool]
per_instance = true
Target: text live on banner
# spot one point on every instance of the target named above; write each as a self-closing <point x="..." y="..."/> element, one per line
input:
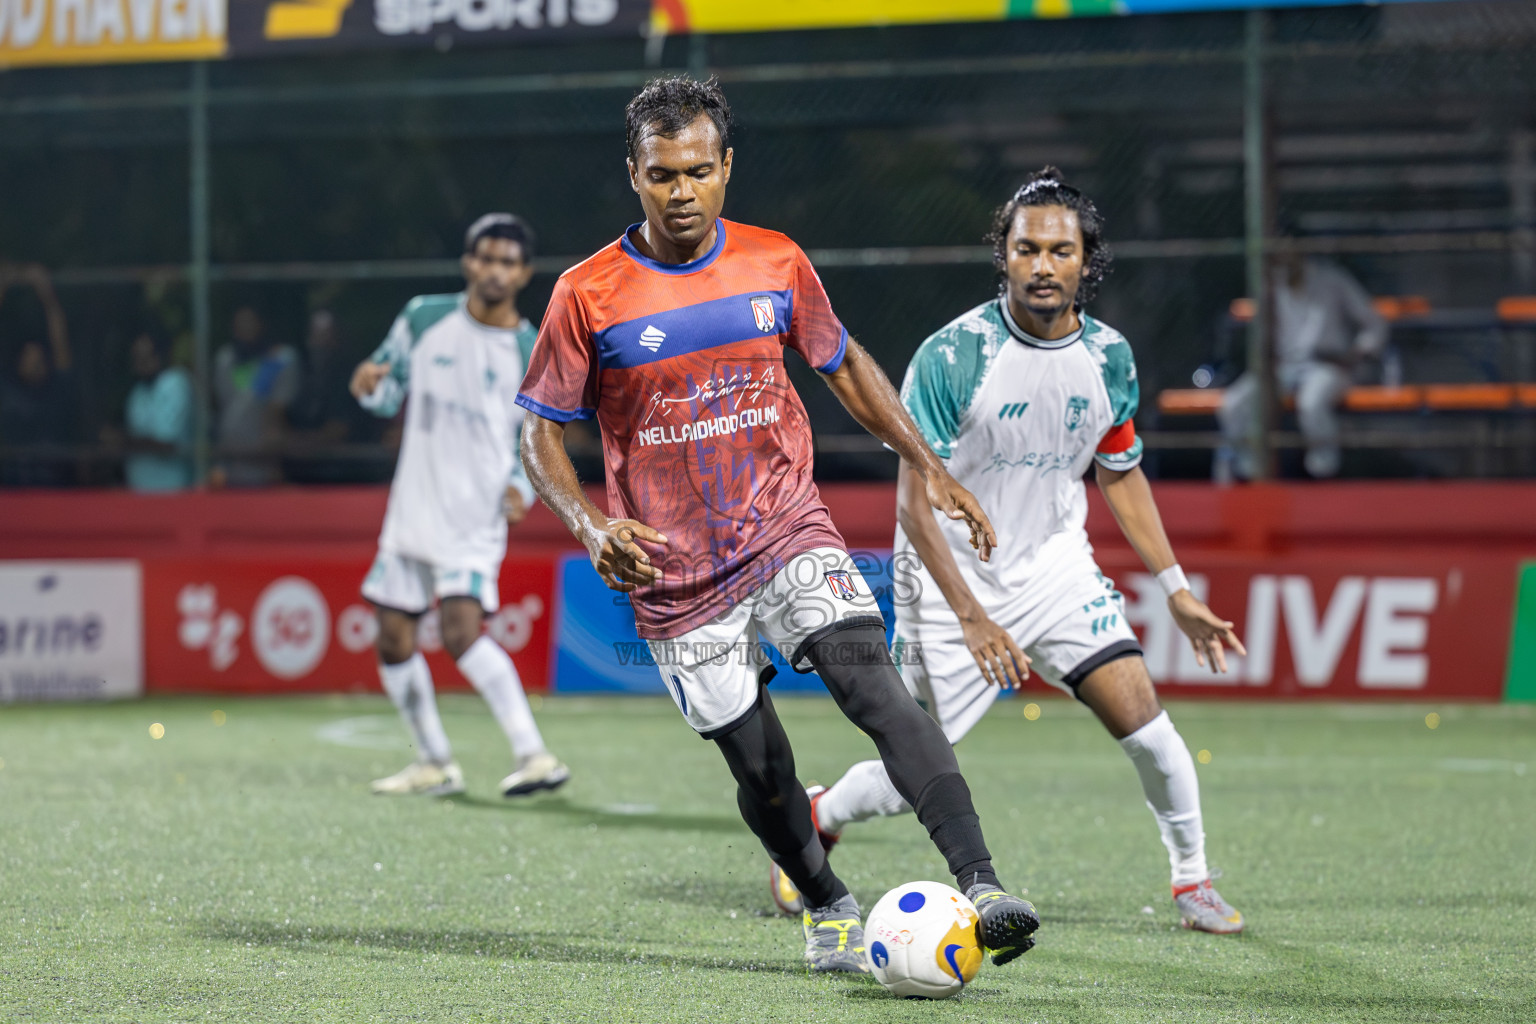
<point x="1315" y="628"/>
<point x="1346" y="591"/>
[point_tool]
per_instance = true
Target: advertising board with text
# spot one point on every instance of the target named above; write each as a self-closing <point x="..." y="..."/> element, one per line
<point x="1359" y="628"/>
<point x="70" y="631"/>
<point x="254" y="627"/>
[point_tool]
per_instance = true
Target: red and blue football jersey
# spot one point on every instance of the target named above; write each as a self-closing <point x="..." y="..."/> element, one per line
<point x="704" y="438"/>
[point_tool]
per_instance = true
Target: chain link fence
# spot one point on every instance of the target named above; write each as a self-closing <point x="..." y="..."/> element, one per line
<point x="1401" y="143"/>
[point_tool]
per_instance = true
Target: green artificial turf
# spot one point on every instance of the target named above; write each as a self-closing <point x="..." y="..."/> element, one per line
<point x="242" y="872"/>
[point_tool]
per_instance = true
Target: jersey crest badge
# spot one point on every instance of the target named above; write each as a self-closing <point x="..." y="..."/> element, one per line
<point x="762" y="312"/>
<point x="1076" y="406"/>
<point x="841" y="582"/>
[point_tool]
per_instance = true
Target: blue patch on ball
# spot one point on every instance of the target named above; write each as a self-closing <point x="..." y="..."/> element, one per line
<point x="879" y="955"/>
<point x="912" y="902"/>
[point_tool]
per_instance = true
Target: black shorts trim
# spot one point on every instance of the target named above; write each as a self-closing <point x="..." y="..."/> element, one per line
<point x="821" y="634"/>
<point x="1114" y="652"/>
<point x="737" y="722"/>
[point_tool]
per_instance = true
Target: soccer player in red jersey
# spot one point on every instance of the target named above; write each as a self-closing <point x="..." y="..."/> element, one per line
<point x="673" y="337"/>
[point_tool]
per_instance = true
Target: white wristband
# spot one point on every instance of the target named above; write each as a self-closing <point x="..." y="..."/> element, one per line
<point x="1172" y="580"/>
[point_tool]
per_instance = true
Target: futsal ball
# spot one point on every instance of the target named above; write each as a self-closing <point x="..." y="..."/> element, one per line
<point x="922" y="943"/>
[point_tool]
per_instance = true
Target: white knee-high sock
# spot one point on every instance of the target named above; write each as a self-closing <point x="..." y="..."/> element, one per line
<point x="1173" y="792"/>
<point x="490" y="669"/>
<point x="864" y="791"/>
<point x="409" y="685"/>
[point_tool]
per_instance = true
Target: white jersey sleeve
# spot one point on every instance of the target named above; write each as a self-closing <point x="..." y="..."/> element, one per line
<point x="420" y="313"/>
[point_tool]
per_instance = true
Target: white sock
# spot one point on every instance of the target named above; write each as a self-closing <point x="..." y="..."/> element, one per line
<point x="490" y="669"/>
<point x="409" y="685"/>
<point x="864" y="791"/>
<point x="1173" y="792"/>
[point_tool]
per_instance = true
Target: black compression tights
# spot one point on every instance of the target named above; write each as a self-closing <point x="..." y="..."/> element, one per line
<point x="774" y="804"/>
<point x="856" y="666"/>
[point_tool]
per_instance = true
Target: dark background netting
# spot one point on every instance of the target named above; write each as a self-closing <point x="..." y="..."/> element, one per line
<point x="1403" y="142"/>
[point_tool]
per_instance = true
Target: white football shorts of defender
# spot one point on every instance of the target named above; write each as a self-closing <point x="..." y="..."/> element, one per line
<point x="712" y="672"/>
<point x="1069" y="623"/>
<point x="411" y="585"/>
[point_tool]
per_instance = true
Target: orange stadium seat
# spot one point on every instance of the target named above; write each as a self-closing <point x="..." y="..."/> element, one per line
<point x="1408" y="398"/>
<point x="1473" y="397"/>
<point x="1384" y="399"/>
<point x="1391" y="307"/>
<point x="1517" y="309"/>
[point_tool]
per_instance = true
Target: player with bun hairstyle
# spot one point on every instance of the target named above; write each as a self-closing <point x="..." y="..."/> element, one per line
<point x="1020" y="396"/>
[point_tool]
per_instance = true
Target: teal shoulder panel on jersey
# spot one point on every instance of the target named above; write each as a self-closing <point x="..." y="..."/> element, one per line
<point x="1117" y="364"/>
<point x="527" y="334"/>
<point x="418" y="315"/>
<point x="425" y="310"/>
<point x="948" y="370"/>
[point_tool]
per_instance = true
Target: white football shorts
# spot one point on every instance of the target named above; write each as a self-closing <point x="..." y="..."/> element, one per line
<point x="1073" y="623"/>
<point x="713" y="672"/>
<point x="410" y="585"/>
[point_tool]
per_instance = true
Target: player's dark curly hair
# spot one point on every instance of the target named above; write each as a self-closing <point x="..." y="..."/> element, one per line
<point x="1046" y="188"/>
<point x="668" y="105"/>
<point x="501" y="225"/>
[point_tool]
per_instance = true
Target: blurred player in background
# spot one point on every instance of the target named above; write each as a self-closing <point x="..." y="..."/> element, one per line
<point x="1019" y="396"/>
<point x="458" y="484"/>
<point x="673" y="337"/>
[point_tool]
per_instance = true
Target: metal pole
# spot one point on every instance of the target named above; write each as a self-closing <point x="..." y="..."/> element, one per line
<point x="197" y="268"/>
<point x="1257" y="176"/>
<point x="1522" y="208"/>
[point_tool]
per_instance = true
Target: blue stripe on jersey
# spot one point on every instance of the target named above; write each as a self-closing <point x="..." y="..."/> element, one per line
<point x="831" y="365"/>
<point x="549" y="412"/>
<point x="704" y="325"/>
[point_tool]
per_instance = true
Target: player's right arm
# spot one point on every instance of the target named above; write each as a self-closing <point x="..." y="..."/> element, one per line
<point x="936" y="393"/>
<point x="1001" y="661"/>
<point x="622" y="564"/>
<point x="560" y="385"/>
<point x="380" y="382"/>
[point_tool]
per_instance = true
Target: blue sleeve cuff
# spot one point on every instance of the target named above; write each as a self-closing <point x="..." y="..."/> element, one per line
<point x="831" y="365"/>
<point x="549" y="412"/>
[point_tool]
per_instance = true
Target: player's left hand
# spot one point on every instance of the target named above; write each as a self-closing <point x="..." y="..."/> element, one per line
<point x="513" y="506"/>
<point x="1205" y="629"/>
<point x="946" y="495"/>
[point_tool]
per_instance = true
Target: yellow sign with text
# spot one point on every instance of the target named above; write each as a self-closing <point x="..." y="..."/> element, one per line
<point x="35" y="32"/>
<point x="736" y="16"/>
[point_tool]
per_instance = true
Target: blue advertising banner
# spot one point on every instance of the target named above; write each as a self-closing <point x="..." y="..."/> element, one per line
<point x="598" y="651"/>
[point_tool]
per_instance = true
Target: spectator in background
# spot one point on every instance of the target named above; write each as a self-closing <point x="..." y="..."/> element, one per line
<point x="325" y="415"/>
<point x="255" y="380"/>
<point x="37" y="399"/>
<point x="1324" y="326"/>
<point x="158" y="417"/>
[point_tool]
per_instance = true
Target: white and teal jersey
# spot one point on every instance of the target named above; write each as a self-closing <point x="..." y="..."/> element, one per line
<point x="1018" y="421"/>
<point x="459" y="451"/>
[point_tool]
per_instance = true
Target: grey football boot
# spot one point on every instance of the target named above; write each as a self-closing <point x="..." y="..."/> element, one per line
<point x="834" y="938"/>
<point x="1007" y="925"/>
<point x="1204" y="910"/>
